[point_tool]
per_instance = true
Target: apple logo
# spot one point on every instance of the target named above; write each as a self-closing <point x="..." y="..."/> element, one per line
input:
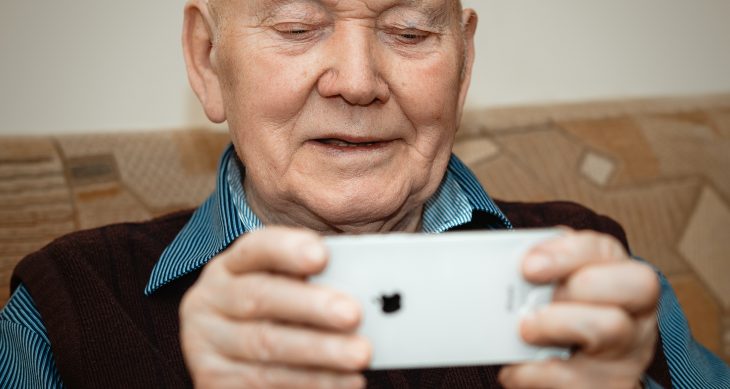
<point x="390" y="303"/>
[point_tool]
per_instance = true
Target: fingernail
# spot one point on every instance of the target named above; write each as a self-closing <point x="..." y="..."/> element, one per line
<point x="344" y="311"/>
<point x="357" y="381"/>
<point x="359" y="354"/>
<point x="529" y="318"/>
<point x="538" y="263"/>
<point x="528" y="325"/>
<point x="505" y="374"/>
<point x="313" y="252"/>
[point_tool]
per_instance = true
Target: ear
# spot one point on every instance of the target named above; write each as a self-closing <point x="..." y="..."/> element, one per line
<point x="469" y="26"/>
<point x="199" y="52"/>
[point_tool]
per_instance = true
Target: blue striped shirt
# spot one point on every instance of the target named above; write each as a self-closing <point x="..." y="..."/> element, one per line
<point x="26" y="358"/>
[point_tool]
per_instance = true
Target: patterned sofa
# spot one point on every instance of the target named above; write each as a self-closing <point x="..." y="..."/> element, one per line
<point x="660" y="167"/>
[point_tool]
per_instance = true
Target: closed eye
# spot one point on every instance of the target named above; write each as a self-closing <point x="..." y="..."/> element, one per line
<point x="295" y="31"/>
<point x="410" y="37"/>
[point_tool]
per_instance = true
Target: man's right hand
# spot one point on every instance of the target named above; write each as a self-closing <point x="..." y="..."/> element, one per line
<point x="252" y="321"/>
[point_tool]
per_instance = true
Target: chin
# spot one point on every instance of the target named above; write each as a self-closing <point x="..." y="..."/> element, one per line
<point x="378" y="199"/>
<point x="358" y="211"/>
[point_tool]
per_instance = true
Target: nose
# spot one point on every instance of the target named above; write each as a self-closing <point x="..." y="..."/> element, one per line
<point x="353" y="71"/>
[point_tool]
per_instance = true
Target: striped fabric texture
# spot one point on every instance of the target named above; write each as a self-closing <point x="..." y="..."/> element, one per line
<point x="26" y="359"/>
<point x="690" y="364"/>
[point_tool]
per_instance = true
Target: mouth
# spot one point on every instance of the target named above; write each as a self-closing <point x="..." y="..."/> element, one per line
<point x="344" y="143"/>
<point x="352" y="143"/>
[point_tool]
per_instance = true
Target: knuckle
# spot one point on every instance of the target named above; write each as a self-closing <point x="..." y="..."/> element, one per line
<point x="362" y="359"/>
<point x="646" y="355"/>
<point x="356" y="382"/>
<point x="585" y="280"/>
<point x="565" y="378"/>
<point x="190" y="302"/>
<point x="289" y="235"/>
<point x="215" y="270"/>
<point x="605" y="245"/>
<point x="205" y="297"/>
<point x="263" y="377"/>
<point x="329" y="301"/>
<point x="623" y="382"/>
<point x="649" y="279"/>
<point x="647" y="338"/>
<point x="616" y="328"/>
<point x="245" y="240"/>
<point x="587" y="237"/>
<point x="250" y="308"/>
<point x="206" y="378"/>
<point x="187" y="303"/>
<point x="316" y="380"/>
<point x="214" y="278"/>
<point x="208" y="374"/>
<point x="251" y="295"/>
<point x="609" y="247"/>
<point x="246" y="244"/>
<point x="506" y="375"/>
<point x="263" y="342"/>
<point x="585" y="234"/>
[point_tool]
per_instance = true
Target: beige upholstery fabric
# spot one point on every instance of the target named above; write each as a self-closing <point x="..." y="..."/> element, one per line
<point x="660" y="167"/>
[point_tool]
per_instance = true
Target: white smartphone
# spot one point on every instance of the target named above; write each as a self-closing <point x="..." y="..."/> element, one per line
<point x="438" y="300"/>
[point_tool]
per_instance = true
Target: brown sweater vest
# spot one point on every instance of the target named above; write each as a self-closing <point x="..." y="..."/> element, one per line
<point x="88" y="287"/>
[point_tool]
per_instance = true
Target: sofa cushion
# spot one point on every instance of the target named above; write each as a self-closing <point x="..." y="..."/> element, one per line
<point x="659" y="167"/>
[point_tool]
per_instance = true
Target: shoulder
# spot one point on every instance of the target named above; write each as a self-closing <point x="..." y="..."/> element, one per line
<point x="89" y="287"/>
<point x="99" y="246"/>
<point x="560" y="213"/>
<point x="163" y="227"/>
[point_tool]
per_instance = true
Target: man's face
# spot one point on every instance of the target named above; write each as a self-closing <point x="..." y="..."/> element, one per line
<point x="343" y="112"/>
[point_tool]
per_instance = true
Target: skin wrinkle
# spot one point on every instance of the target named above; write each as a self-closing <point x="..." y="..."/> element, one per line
<point x="264" y="9"/>
<point x="397" y="224"/>
<point x="283" y="196"/>
<point x="436" y="16"/>
<point x="296" y="14"/>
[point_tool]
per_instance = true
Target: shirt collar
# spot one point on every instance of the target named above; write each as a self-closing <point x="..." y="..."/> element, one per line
<point x="225" y="216"/>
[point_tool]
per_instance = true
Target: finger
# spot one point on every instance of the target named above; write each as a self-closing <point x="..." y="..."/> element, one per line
<point x="279" y="249"/>
<point x="647" y="334"/>
<point x="223" y="373"/>
<point x="274" y="297"/>
<point x="557" y="258"/>
<point x="551" y="373"/>
<point x="604" y="330"/>
<point x="287" y="377"/>
<point x="271" y="343"/>
<point x="629" y="284"/>
<point x="577" y="372"/>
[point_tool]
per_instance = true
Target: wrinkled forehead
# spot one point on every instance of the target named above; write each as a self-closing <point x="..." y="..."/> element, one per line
<point x="443" y="9"/>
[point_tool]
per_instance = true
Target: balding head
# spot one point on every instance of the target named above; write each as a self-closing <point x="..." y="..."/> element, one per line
<point x="221" y="9"/>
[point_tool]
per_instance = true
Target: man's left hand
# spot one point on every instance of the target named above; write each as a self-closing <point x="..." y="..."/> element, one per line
<point x="604" y="307"/>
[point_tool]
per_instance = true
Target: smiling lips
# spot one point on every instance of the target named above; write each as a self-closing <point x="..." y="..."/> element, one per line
<point x="342" y="143"/>
<point x="352" y="143"/>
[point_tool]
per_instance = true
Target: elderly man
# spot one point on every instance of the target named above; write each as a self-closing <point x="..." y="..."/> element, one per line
<point x="342" y="115"/>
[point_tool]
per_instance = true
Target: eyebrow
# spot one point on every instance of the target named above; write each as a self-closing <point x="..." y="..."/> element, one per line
<point x="264" y="9"/>
<point x="439" y="15"/>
